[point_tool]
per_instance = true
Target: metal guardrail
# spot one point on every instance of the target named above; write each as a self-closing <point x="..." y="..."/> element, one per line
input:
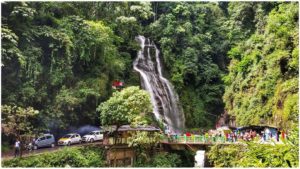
<point x="202" y="139"/>
<point x="195" y="139"/>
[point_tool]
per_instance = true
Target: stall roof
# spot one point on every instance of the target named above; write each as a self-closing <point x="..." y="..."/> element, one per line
<point x="255" y="127"/>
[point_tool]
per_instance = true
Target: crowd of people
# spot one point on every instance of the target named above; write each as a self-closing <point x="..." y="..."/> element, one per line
<point x="263" y="136"/>
<point x="228" y="135"/>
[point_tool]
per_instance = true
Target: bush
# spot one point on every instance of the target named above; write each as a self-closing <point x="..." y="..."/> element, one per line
<point x="224" y="156"/>
<point x="254" y="155"/>
<point x="5" y="147"/>
<point x="160" y="160"/>
<point x="166" y="160"/>
<point x="89" y="156"/>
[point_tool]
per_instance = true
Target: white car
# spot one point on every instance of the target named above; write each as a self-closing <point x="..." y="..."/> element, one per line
<point x="93" y="136"/>
<point x="69" y="139"/>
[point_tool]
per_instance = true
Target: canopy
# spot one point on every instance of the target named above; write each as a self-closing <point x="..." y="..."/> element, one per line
<point x="255" y="127"/>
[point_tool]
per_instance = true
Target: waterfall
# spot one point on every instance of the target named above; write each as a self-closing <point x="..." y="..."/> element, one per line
<point x="163" y="97"/>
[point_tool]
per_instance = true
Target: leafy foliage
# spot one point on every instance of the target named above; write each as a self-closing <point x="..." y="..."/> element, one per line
<point x="58" y="63"/>
<point x="262" y="80"/>
<point x="144" y="142"/>
<point x="144" y="139"/>
<point x="226" y="156"/>
<point x="10" y="49"/>
<point x="254" y="155"/>
<point x="251" y="154"/>
<point x="130" y="106"/>
<point x="17" y="121"/>
<point x="60" y="59"/>
<point x="193" y="45"/>
<point x="161" y="160"/>
<point x="89" y="156"/>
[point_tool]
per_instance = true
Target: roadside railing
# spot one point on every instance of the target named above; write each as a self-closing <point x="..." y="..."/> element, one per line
<point x="196" y="139"/>
<point x="203" y="139"/>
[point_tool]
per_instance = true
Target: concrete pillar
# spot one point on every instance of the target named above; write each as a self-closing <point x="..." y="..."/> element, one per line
<point x="200" y="158"/>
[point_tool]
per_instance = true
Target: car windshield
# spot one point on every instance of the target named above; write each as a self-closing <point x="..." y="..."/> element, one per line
<point x="67" y="136"/>
<point x="91" y="133"/>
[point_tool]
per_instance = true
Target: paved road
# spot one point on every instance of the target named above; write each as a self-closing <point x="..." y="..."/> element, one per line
<point x="26" y="153"/>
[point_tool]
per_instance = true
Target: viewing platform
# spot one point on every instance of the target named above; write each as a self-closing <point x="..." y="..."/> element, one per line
<point x="196" y="140"/>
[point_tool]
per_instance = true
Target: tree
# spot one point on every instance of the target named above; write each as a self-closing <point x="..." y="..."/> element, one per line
<point x="129" y="106"/>
<point x="59" y="61"/>
<point x="17" y="121"/>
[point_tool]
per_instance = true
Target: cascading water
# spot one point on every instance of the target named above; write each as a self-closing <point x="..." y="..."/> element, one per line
<point x="163" y="96"/>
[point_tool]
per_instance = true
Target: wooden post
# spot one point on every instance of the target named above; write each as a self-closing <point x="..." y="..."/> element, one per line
<point x="115" y="158"/>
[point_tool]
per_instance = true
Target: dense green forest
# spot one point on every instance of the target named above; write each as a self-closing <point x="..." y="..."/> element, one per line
<point x="60" y="58"/>
<point x="263" y="72"/>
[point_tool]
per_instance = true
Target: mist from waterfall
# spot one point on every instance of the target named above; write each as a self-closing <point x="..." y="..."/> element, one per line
<point x="163" y="96"/>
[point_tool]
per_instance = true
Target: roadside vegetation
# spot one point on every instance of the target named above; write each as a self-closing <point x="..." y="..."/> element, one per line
<point x="88" y="156"/>
<point x="254" y="155"/>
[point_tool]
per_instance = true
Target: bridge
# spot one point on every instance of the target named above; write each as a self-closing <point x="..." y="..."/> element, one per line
<point x="194" y="142"/>
<point x="195" y="139"/>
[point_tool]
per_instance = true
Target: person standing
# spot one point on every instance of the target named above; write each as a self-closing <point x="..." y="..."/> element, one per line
<point x="282" y="135"/>
<point x="278" y="135"/>
<point x="226" y="137"/>
<point x="206" y="136"/>
<point x="233" y="137"/>
<point x="264" y="136"/>
<point x="17" y="148"/>
<point x="31" y="147"/>
<point x="267" y="133"/>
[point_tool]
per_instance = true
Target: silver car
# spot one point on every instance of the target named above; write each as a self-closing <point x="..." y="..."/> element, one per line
<point x="47" y="140"/>
<point x="93" y="136"/>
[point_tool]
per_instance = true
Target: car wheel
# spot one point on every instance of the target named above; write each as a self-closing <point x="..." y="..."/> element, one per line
<point x="91" y="140"/>
<point x="80" y="141"/>
<point x="69" y="143"/>
<point x="52" y="145"/>
<point x="35" y="147"/>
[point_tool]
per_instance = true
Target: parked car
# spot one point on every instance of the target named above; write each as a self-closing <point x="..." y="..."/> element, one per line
<point x="69" y="139"/>
<point x="93" y="136"/>
<point x="47" y="140"/>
